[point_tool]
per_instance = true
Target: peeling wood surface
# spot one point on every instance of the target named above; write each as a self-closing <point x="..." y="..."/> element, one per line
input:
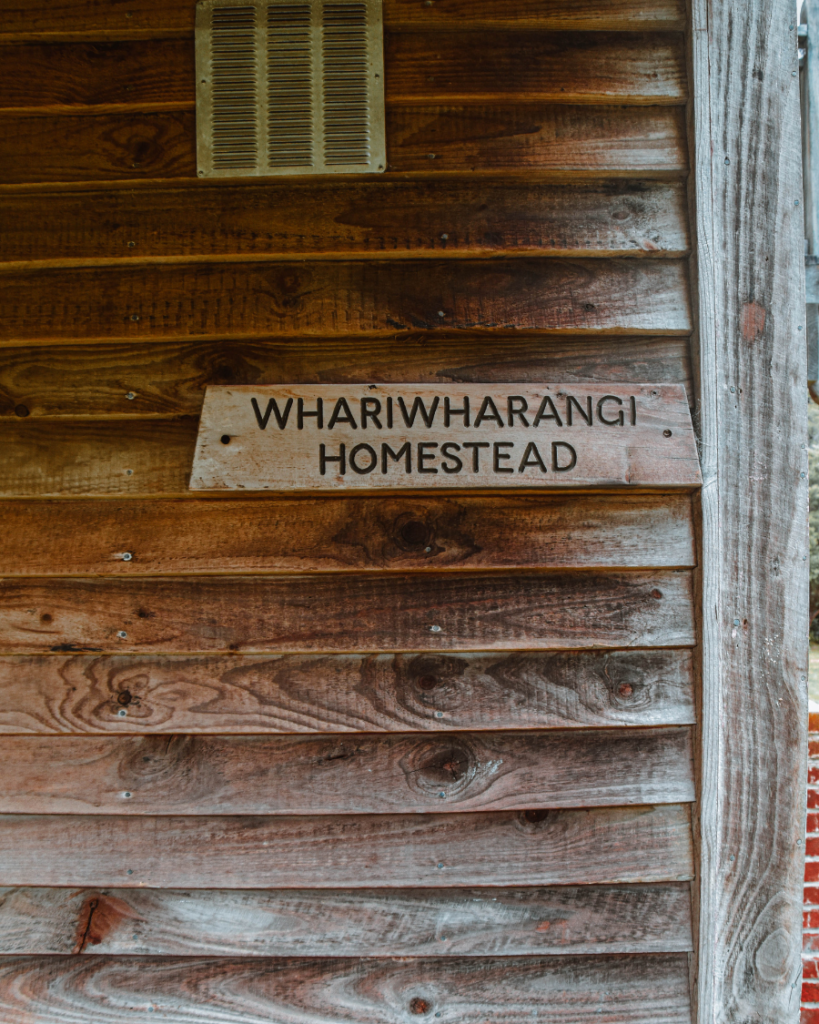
<point x="168" y="378"/>
<point x="489" y="611"/>
<point x="630" y="990"/>
<point x="324" y="299"/>
<point x="533" y="921"/>
<point x="591" y="140"/>
<point x="362" y="774"/>
<point x="256" y="535"/>
<point x="149" y="19"/>
<point x="381" y="217"/>
<point x="425" y="67"/>
<point x="87" y="694"/>
<point x="535" y="847"/>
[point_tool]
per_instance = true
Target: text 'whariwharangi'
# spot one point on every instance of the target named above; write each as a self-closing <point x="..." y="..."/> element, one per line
<point x="365" y="436"/>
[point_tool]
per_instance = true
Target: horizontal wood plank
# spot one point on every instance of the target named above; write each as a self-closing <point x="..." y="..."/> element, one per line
<point x="322" y="613"/>
<point x="535" y="847"/>
<point x="589" y="140"/>
<point x="197" y="536"/>
<point x="364" y="774"/>
<point x="323" y="299"/>
<point x="395" y="922"/>
<point x="169" y="378"/>
<point x="151" y="19"/>
<point x="87" y="694"/>
<point x="420" y="67"/>
<point x="649" y="989"/>
<point x="382" y="217"/>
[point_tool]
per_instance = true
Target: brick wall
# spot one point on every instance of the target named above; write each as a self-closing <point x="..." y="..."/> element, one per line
<point x="810" y="938"/>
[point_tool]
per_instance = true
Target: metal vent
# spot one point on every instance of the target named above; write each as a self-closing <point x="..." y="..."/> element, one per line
<point x="289" y="87"/>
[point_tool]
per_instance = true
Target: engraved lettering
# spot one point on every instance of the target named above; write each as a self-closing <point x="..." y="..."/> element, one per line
<point x="531" y="457"/>
<point x="501" y="456"/>
<point x="272" y="406"/>
<point x="362" y="470"/>
<point x="302" y="413"/>
<point x="620" y="417"/>
<point x="556" y="457"/>
<point x="488" y="411"/>
<point x="542" y="414"/>
<point x="337" y="417"/>
<point x="370" y="410"/>
<point x="404" y="452"/>
<point x="516" y="405"/>
<point x="587" y="416"/>
<point x="475" y="445"/>
<point x="389" y="412"/>
<point x="447" y="452"/>
<point x="463" y="411"/>
<point x="418" y="407"/>
<point x="324" y="459"/>
<point x="633" y="402"/>
<point x="425" y="456"/>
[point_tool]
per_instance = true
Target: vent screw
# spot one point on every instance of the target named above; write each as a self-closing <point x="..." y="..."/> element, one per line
<point x="134" y="317"/>
<point x="131" y="245"/>
<point x="122" y="634"/>
<point x="435" y="629"/>
<point x="127" y="556"/>
<point x="130" y="396"/>
<point x="122" y="713"/>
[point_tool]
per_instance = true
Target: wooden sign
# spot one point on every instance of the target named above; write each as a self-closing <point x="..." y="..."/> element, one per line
<point x="365" y="436"/>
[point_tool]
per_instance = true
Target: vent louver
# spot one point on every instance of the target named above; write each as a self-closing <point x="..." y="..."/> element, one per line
<point x="289" y="87"/>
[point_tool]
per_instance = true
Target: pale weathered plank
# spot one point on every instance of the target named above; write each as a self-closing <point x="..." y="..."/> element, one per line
<point x="754" y="528"/>
<point x="236" y="535"/>
<point x="324" y="613"/>
<point x="535" y="847"/>
<point x="425" y="67"/>
<point x="379" y="218"/>
<point x="649" y="989"/>
<point x="364" y="774"/>
<point x="343" y="693"/>
<point x="254" y="438"/>
<point x="169" y="378"/>
<point x="151" y="19"/>
<point x="322" y="299"/>
<point x="587" y="919"/>
<point x="127" y="145"/>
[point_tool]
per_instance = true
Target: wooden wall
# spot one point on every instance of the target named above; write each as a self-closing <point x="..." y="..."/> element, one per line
<point x="241" y="780"/>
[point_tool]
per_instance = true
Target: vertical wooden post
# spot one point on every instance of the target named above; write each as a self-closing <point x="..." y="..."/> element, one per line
<point x="752" y="399"/>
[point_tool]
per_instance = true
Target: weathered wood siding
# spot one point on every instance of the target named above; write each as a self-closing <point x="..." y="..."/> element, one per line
<point x="242" y="779"/>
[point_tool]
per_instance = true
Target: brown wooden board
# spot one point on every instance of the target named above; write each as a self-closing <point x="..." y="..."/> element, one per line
<point x="329" y="299"/>
<point x="755" y="545"/>
<point x="363" y="774"/>
<point x="229" y="535"/>
<point x="535" y="847"/>
<point x="169" y="378"/>
<point x="590" y="140"/>
<point x="343" y="693"/>
<point x="425" y="67"/>
<point x="380" y="218"/>
<point x="446" y="612"/>
<point x="410" y="436"/>
<point x="648" y="989"/>
<point x="585" y="919"/>
<point x="150" y="19"/>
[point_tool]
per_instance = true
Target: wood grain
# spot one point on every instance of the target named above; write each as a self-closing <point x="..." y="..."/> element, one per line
<point x="169" y="378"/>
<point x="364" y="774"/>
<point x="84" y="694"/>
<point x="322" y="299"/>
<point x="168" y="537"/>
<point x="535" y="847"/>
<point x="380" y="218"/>
<point x="151" y="19"/>
<point x="754" y="530"/>
<point x="589" y="140"/>
<point x="426" y="67"/>
<point x="650" y="989"/>
<point x="483" y="611"/>
<point x="359" y="922"/>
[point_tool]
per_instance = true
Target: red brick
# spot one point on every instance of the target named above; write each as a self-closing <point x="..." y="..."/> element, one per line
<point x="810" y="919"/>
<point x="813" y="797"/>
<point x="810" y="969"/>
<point x="813" y="774"/>
<point x="810" y="944"/>
<point x="812" y="847"/>
<point x="812" y="871"/>
<point x="810" y="1015"/>
<point x="813" y="823"/>
<point x="811" y="896"/>
<point x="813" y="747"/>
<point x="810" y="992"/>
<point x="813" y="721"/>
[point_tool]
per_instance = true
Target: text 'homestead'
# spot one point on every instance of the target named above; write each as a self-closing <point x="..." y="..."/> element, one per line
<point x="366" y="436"/>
